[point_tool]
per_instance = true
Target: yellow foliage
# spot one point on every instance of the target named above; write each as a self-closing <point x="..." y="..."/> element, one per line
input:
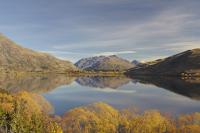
<point x="21" y="113"/>
<point x="151" y="122"/>
<point x="6" y="102"/>
<point x="98" y="117"/>
<point x="102" y="118"/>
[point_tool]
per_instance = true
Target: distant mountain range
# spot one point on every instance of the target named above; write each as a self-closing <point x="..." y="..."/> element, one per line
<point x="17" y="58"/>
<point x="186" y="64"/>
<point x="104" y="63"/>
<point x="135" y="62"/>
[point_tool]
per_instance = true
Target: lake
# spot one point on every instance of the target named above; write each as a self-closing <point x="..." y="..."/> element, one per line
<point x="170" y="95"/>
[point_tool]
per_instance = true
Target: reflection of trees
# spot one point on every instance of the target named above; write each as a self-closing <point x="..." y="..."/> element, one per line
<point x="186" y="87"/>
<point x="34" y="83"/>
<point x="103" y="82"/>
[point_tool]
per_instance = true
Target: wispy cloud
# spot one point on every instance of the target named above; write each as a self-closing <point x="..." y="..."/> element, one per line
<point x="115" y="53"/>
<point x="152" y="58"/>
<point x="65" y="55"/>
<point x="182" y="46"/>
<point x="159" y="31"/>
<point x="134" y="29"/>
<point x="59" y="52"/>
<point x="70" y="55"/>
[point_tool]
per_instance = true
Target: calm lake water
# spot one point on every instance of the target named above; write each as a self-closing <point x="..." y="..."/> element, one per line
<point x="169" y="95"/>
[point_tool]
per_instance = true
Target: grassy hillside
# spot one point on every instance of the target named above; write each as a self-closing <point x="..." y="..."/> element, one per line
<point x="183" y="64"/>
<point x="17" y="58"/>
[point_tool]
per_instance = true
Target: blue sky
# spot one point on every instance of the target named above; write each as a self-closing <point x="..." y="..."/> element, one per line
<point x="73" y="29"/>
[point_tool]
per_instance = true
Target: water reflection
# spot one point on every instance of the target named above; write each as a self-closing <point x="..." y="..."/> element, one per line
<point x="189" y="87"/>
<point x="65" y="93"/>
<point x="103" y="82"/>
<point x="33" y="83"/>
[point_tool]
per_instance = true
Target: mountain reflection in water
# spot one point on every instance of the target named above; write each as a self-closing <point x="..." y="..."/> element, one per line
<point x="103" y="82"/>
<point x="40" y="84"/>
<point x="65" y="93"/>
<point x="34" y="83"/>
<point x="186" y="87"/>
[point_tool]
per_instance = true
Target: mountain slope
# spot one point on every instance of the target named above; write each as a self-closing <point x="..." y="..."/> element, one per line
<point x="15" y="57"/>
<point x="104" y="63"/>
<point x="185" y="63"/>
